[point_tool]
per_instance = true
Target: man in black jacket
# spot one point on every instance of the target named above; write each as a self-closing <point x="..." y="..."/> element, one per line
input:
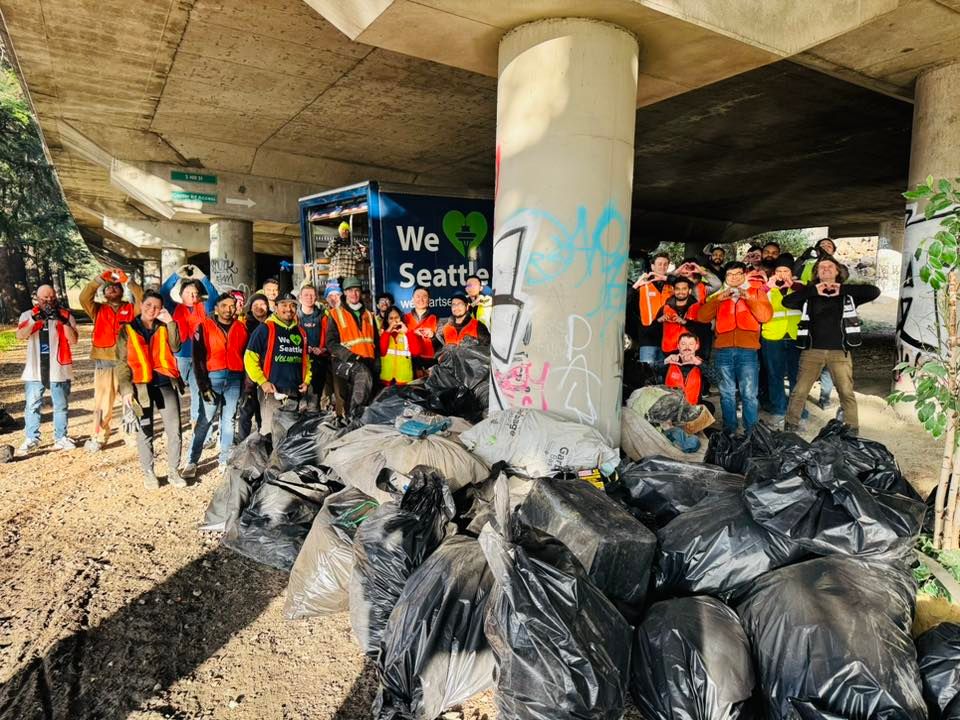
<point x="829" y="327"/>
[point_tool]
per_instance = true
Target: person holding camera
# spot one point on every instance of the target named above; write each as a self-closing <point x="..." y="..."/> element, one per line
<point x="50" y="332"/>
<point x="149" y="380"/>
<point x="829" y="327"/>
<point x="108" y="318"/>
<point x="218" y="347"/>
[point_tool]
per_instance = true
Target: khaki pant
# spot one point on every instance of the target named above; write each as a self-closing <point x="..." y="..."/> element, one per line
<point x="840" y="365"/>
<point x="104" y="395"/>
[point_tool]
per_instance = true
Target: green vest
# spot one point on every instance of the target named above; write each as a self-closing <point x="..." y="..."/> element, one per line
<point x="784" y="321"/>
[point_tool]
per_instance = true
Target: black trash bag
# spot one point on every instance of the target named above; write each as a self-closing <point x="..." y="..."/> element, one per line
<point x="662" y="488"/>
<point x="434" y="652"/>
<point x="284" y="418"/>
<point x="562" y="648"/>
<point x="391" y="402"/>
<point x="870" y="461"/>
<point x="304" y="442"/>
<point x="245" y="466"/>
<point x="831" y="639"/>
<point x="815" y="502"/>
<point x="392" y="543"/>
<point x="460" y="381"/>
<point x="611" y="544"/>
<point x="717" y="548"/>
<point x="691" y="659"/>
<point x="320" y="577"/>
<point x="727" y="450"/>
<point x="274" y="524"/>
<point x="732" y="452"/>
<point x="939" y="656"/>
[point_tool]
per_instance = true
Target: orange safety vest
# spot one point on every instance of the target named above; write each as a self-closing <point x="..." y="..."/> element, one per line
<point x="673" y="330"/>
<point x="429" y="321"/>
<point x="690" y="385"/>
<point x="188" y="321"/>
<point x="359" y="341"/>
<point x="700" y="292"/>
<point x="737" y="314"/>
<point x="108" y="322"/>
<point x="224" y="350"/>
<point x="651" y="300"/>
<point x="272" y="343"/>
<point x="452" y="336"/>
<point x="144" y="360"/>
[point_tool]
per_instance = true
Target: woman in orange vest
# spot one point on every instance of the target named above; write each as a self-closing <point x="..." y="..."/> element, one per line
<point x="149" y="380"/>
<point x="397" y="345"/>
<point x="423" y="323"/>
<point x="462" y="324"/>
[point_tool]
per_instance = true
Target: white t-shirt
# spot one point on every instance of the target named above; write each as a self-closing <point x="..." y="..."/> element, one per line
<point x="31" y="371"/>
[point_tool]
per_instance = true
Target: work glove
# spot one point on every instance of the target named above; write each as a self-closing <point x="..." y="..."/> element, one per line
<point x="114" y="276"/>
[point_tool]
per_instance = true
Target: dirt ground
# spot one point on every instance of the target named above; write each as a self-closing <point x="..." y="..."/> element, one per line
<point x="114" y="605"/>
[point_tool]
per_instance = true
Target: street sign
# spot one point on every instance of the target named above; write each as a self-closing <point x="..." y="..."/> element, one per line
<point x="193" y="177"/>
<point x="184" y="196"/>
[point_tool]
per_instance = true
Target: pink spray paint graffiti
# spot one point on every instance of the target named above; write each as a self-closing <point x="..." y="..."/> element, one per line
<point x="519" y="387"/>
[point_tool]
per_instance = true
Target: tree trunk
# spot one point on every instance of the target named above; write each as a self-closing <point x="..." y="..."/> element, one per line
<point x="14" y="292"/>
<point x="951" y="526"/>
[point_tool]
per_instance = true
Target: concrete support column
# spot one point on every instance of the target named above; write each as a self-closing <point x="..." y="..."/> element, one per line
<point x="890" y="235"/>
<point x="566" y="107"/>
<point x="231" y="255"/>
<point x="297" y="254"/>
<point x="933" y="151"/>
<point x="170" y="260"/>
<point x="152" y="277"/>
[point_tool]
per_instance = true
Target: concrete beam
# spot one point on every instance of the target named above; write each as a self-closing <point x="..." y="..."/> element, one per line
<point x="192" y="237"/>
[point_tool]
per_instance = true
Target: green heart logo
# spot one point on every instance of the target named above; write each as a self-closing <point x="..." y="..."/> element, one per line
<point x="295" y="339"/>
<point x="465" y="233"/>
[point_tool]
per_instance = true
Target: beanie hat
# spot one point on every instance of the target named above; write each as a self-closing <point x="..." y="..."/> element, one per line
<point x="344" y="226"/>
<point x="332" y="287"/>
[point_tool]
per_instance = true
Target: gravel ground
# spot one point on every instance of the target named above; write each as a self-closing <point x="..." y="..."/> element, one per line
<point x="115" y="606"/>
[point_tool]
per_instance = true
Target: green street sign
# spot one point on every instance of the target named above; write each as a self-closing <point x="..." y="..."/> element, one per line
<point x="193" y="177"/>
<point x="184" y="196"/>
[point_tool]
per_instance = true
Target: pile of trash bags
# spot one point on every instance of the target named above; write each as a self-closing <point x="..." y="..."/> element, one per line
<point x="518" y="551"/>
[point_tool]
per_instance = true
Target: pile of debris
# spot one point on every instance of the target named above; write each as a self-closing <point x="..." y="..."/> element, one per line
<point x="521" y="553"/>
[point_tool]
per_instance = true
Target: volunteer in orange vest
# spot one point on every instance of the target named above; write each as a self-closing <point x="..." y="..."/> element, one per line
<point x="683" y="368"/>
<point x="351" y="340"/>
<point x="397" y="344"/>
<point x="461" y="324"/>
<point x="679" y="315"/>
<point x="654" y="291"/>
<point x="423" y="323"/>
<point x="149" y="381"/>
<point x="739" y="308"/>
<point x="109" y="316"/>
<point x="276" y="359"/>
<point x="219" y="344"/>
<point x="50" y="330"/>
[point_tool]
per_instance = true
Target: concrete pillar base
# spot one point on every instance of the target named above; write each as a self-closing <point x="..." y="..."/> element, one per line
<point x="231" y="255"/>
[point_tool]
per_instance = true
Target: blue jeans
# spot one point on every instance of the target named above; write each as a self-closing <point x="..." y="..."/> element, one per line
<point x="782" y="360"/>
<point x="60" y="392"/>
<point x="651" y="354"/>
<point x="739" y="369"/>
<point x="826" y="386"/>
<point x="227" y="384"/>
<point x="185" y="366"/>
<point x="682" y="439"/>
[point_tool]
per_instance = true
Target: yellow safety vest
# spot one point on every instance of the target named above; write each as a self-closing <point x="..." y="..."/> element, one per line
<point x="784" y="321"/>
<point x="397" y="364"/>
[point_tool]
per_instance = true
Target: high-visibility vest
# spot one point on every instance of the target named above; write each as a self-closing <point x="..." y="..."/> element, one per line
<point x="481" y="309"/>
<point x="673" y="330"/>
<point x="108" y="322"/>
<point x="187" y="321"/>
<point x="224" y="350"/>
<point x="849" y="326"/>
<point x="784" y="321"/>
<point x="396" y="365"/>
<point x="272" y="344"/>
<point x="452" y="336"/>
<point x="651" y="300"/>
<point x="690" y="385"/>
<point x="360" y="340"/>
<point x="429" y="321"/>
<point x="145" y="360"/>
<point x="737" y="314"/>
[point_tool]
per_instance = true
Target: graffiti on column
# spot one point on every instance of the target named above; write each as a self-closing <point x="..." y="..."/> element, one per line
<point x="534" y="249"/>
<point x="919" y="325"/>
<point x="225" y="275"/>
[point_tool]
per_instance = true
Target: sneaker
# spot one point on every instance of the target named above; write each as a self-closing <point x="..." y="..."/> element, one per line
<point x="150" y="481"/>
<point x="28" y="447"/>
<point x="92" y="445"/>
<point x="189" y="471"/>
<point x="176" y="480"/>
<point x="64" y="443"/>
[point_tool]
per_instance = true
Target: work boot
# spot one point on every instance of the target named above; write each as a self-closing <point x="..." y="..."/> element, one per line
<point x="189" y="471"/>
<point x="175" y="480"/>
<point x="150" y="481"/>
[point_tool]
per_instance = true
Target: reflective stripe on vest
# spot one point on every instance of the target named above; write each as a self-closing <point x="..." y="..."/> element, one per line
<point x="849" y="326"/>
<point x="144" y="360"/>
<point x="690" y="385"/>
<point x="452" y="336"/>
<point x="397" y="365"/>
<point x="357" y="340"/>
<point x="108" y="322"/>
<point x="651" y="300"/>
<point x="272" y="343"/>
<point x="224" y="350"/>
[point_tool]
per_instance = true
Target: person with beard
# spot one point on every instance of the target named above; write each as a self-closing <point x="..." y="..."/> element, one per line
<point x="258" y="310"/>
<point x="679" y="315"/>
<point x="461" y="324"/>
<point x="385" y="301"/>
<point x="51" y="332"/>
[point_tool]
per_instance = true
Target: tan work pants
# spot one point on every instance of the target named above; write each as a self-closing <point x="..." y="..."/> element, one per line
<point x="840" y="365"/>
<point x="104" y="395"/>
